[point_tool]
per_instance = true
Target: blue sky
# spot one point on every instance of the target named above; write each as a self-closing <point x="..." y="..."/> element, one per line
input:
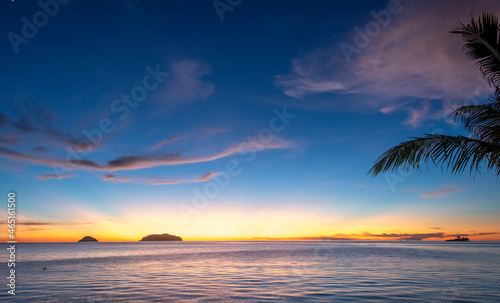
<point x="275" y="112"/>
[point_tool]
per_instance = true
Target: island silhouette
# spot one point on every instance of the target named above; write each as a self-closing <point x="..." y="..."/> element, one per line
<point x="162" y="237"/>
<point x="458" y="238"/>
<point x="88" y="239"/>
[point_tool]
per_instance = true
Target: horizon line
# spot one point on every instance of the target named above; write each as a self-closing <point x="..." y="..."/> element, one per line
<point x="250" y="240"/>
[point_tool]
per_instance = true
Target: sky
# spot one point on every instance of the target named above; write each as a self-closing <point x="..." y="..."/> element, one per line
<point x="235" y="120"/>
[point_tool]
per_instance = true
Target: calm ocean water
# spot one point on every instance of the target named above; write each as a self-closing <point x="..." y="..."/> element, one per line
<point x="256" y="271"/>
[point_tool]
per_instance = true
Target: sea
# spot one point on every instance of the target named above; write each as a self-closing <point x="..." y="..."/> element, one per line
<point x="273" y="271"/>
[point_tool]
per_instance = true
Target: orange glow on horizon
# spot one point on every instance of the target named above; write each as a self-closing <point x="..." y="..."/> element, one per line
<point x="241" y="225"/>
<point x="62" y="237"/>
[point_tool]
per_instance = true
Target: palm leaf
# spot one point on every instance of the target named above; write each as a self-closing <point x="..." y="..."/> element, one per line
<point x="482" y="44"/>
<point x="481" y="121"/>
<point x="449" y="152"/>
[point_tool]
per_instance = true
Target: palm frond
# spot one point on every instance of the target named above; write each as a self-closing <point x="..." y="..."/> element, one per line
<point x="482" y="122"/>
<point x="449" y="152"/>
<point x="482" y="44"/>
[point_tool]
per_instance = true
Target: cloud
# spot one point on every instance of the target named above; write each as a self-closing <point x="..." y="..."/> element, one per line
<point x="482" y="234"/>
<point x="405" y="236"/>
<point x="304" y="80"/>
<point x="3" y="118"/>
<point x="318" y="238"/>
<point x="56" y="176"/>
<point x="145" y="161"/>
<point x="55" y="163"/>
<point x="389" y="109"/>
<point x="186" y="82"/>
<point x="414" y="57"/>
<point x="148" y="161"/>
<point x="440" y="193"/>
<point x="157" y="180"/>
<point x="164" y="142"/>
<point x="48" y="223"/>
<point x="39" y="149"/>
<point x="206" y="133"/>
<point x="421" y="236"/>
<point x="378" y="236"/>
<point x="420" y="111"/>
<point x="202" y="178"/>
<point x="139" y="162"/>
<point x="12" y="154"/>
<point x="9" y="139"/>
<point x="115" y="178"/>
<point x="207" y="176"/>
<point x="418" y="115"/>
<point x="35" y="121"/>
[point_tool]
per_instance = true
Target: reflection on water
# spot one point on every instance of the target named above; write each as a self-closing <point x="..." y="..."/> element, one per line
<point x="258" y="271"/>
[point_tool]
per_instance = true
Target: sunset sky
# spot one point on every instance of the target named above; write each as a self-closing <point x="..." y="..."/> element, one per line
<point x="235" y="120"/>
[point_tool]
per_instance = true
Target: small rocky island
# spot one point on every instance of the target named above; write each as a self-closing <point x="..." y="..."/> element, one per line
<point x="88" y="239"/>
<point x="162" y="237"/>
<point x="458" y="238"/>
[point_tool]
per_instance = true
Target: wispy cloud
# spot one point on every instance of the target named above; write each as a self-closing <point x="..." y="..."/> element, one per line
<point x="482" y="234"/>
<point x="56" y="176"/>
<point x="9" y="139"/>
<point x="38" y="121"/>
<point x="339" y="237"/>
<point x="417" y="115"/>
<point x="164" y="142"/>
<point x="143" y="161"/>
<point x="440" y="193"/>
<point x="115" y="178"/>
<point x="378" y="236"/>
<point x="306" y="79"/>
<point x="39" y="149"/>
<point x="156" y="180"/>
<point x="48" y="223"/>
<point x="408" y="59"/>
<point x="12" y="154"/>
<point x="3" y="118"/>
<point x="186" y="82"/>
<point x="406" y="236"/>
<point x="207" y="177"/>
<point x="140" y="162"/>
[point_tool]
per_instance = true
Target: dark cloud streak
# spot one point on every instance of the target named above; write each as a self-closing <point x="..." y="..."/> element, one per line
<point x="41" y="122"/>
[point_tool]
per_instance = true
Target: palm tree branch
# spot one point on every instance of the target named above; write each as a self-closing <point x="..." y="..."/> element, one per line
<point x="481" y="121"/>
<point x="482" y="44"/>
<point x="452" y="153"/>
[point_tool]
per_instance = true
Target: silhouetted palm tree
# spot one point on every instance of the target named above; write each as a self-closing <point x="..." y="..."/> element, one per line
<point x="482" y="122"/>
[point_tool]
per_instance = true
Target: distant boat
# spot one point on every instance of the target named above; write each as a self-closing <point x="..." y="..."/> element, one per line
<point x="458" y="238"/>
